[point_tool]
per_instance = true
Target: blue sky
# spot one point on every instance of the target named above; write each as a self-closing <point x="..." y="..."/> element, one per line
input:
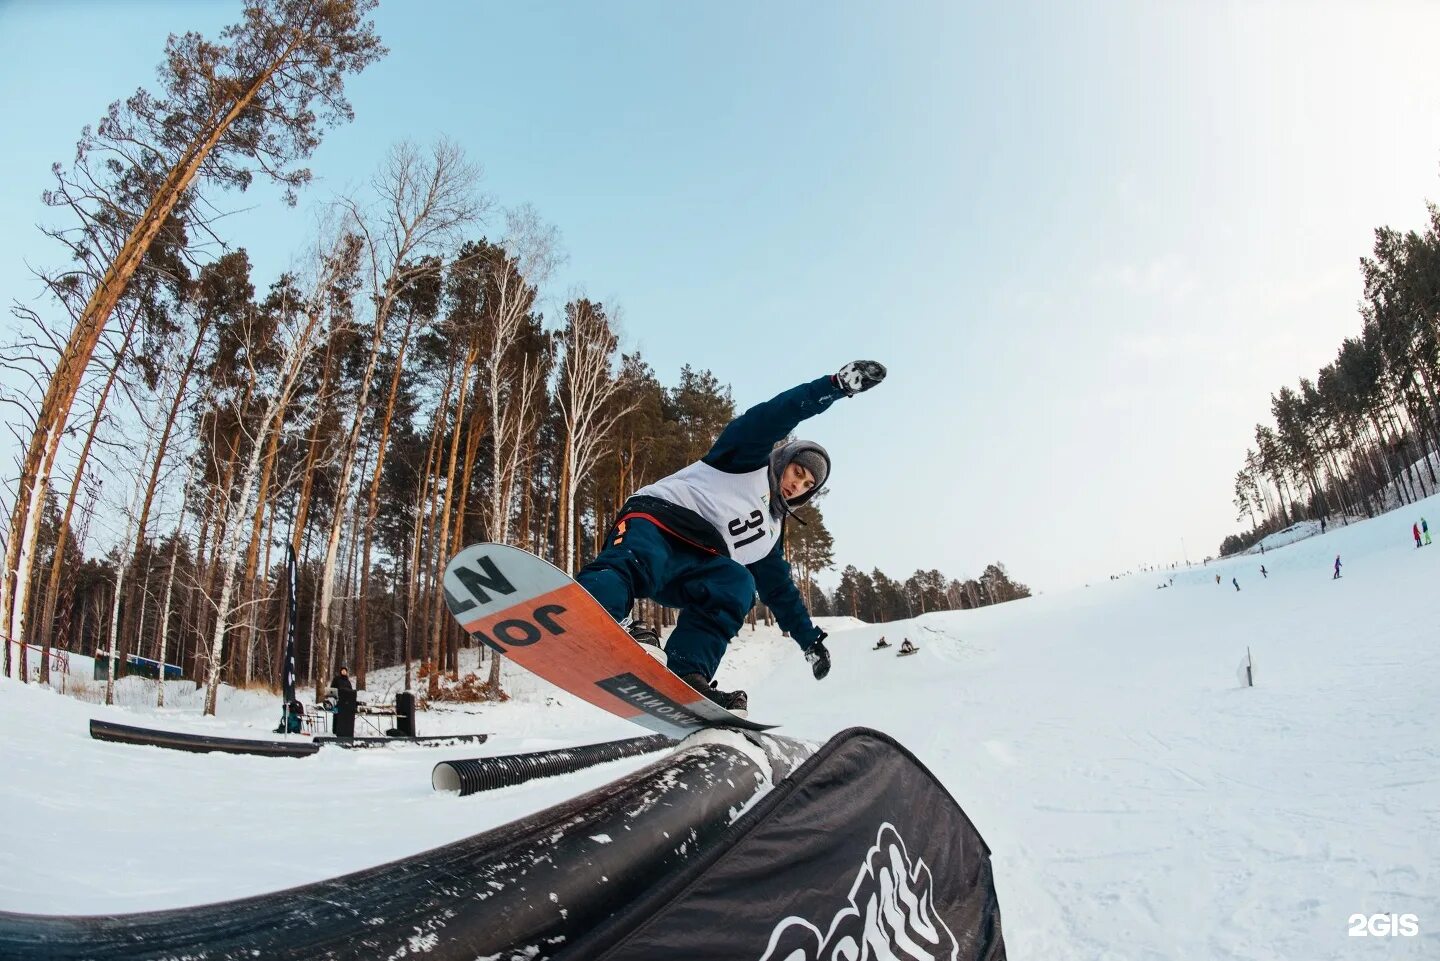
<point x="1089" y="243"/>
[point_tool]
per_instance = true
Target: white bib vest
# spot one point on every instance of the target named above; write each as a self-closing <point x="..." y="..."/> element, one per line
<point x="738" y="505"/>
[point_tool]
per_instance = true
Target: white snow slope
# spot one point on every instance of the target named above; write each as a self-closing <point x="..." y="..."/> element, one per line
<point x="1140" y="803"/>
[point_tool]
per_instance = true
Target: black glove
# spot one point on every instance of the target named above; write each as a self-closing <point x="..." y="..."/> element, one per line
<point x="859" y="375"/>
<point x="819" y="657"/>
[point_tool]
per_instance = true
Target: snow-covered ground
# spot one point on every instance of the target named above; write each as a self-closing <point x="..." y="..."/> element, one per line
<point x="1141" y="803"/>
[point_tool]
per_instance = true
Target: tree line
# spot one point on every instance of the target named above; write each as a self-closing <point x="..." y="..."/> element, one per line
<point x="394" y="395"/>
<point x="1360" y="436"/>
<point x="876" y="597"/>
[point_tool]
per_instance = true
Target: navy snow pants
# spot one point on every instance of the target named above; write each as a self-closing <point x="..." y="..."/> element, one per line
<point x="713" y="593"/>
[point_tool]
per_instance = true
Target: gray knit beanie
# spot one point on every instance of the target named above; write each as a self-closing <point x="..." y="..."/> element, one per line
<point x="808" y="455"/>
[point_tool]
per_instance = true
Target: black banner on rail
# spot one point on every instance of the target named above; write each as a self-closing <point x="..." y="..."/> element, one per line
<point x="861" y="853"/>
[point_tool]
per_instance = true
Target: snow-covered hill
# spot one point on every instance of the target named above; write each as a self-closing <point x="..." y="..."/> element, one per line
<point x="1140" y="802"/>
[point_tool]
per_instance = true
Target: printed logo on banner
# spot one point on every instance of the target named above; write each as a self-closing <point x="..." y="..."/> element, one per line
<point x="890" y="915"/>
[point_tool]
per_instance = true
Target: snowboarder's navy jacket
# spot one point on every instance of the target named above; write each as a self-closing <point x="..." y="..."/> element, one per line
<point x="722" y="504"/>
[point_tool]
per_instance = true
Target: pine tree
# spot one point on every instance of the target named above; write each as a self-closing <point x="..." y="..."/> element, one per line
<point x="253" y="103"/>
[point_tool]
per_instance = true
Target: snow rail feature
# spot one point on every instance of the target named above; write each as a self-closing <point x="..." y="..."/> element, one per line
<point x="860" y="848"/>
<point x="197" y="743"/>
<point x="428" y="740"/>
<point x="472" y="775"/>
<point x="524" y="889"/>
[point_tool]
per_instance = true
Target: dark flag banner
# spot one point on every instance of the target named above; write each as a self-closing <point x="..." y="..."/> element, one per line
<point x="860" y="854"/>
<point x="288" y="674"/>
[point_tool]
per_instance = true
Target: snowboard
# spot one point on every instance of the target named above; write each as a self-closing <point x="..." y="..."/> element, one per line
<point x="536" y="615"/>
<point x="914" y="650"/>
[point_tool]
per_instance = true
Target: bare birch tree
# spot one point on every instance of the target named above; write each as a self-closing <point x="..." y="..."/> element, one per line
<point x="82" y="464"/>
<point x="532" y="250"/>
<point x="589" y="407"/>
<point x="124" y="555"/>
<point x="426" y="201"/>
<point x="296" y="337"/>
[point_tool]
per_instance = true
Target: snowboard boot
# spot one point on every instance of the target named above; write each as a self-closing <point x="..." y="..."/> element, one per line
<point x="736" y="702"/>
<point x="647" y="637"/>
<point x="643" y="633"/>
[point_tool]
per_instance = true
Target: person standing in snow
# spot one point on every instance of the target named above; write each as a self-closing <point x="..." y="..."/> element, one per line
<point x="343" y="705"/>
<point x="1217" y="580"/>
<point x="1337" y="567"/>
<point x="1415" y="531"/>
<point x="1425" y="529"/>
<point x="708" y="537"/>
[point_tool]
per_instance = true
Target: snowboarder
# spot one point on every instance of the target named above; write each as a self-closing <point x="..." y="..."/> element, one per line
<point x="1236" y="582"/>
<point x="907" y="648"/>
<point x="709" y="537"/>
<point x="1415" y="530"/>
<point x="881" y="643"/>
<point x="1337" y="567"/>
<point x="1264" y="573"/>
<point x="1425" y="529"/>
<point x="1322" y="525"/>
<point x="1217" y="579"/>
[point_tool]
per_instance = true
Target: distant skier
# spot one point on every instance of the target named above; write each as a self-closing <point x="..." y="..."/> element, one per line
<point x="1415" y="530"/>
<point x="907" y="648"/>
<point x="1322" y="525"/>
<point x="1264" y="573"/>
<point x="1425" y="529"/>
<point x="881" y="643"/>
<point x="1236" y="582"/>
<point x="709" y="537"/>
<point x="1337" y="567"/>
<point x="1217" y="580"/>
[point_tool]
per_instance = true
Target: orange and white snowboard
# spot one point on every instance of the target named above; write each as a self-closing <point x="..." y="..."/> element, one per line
<point x="536" y="615"/>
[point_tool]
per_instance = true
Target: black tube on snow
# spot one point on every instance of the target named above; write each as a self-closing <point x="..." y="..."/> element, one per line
<point x="471" y="775"/>
<point x="197" y="743"/>
<point x="428" y="740"/>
